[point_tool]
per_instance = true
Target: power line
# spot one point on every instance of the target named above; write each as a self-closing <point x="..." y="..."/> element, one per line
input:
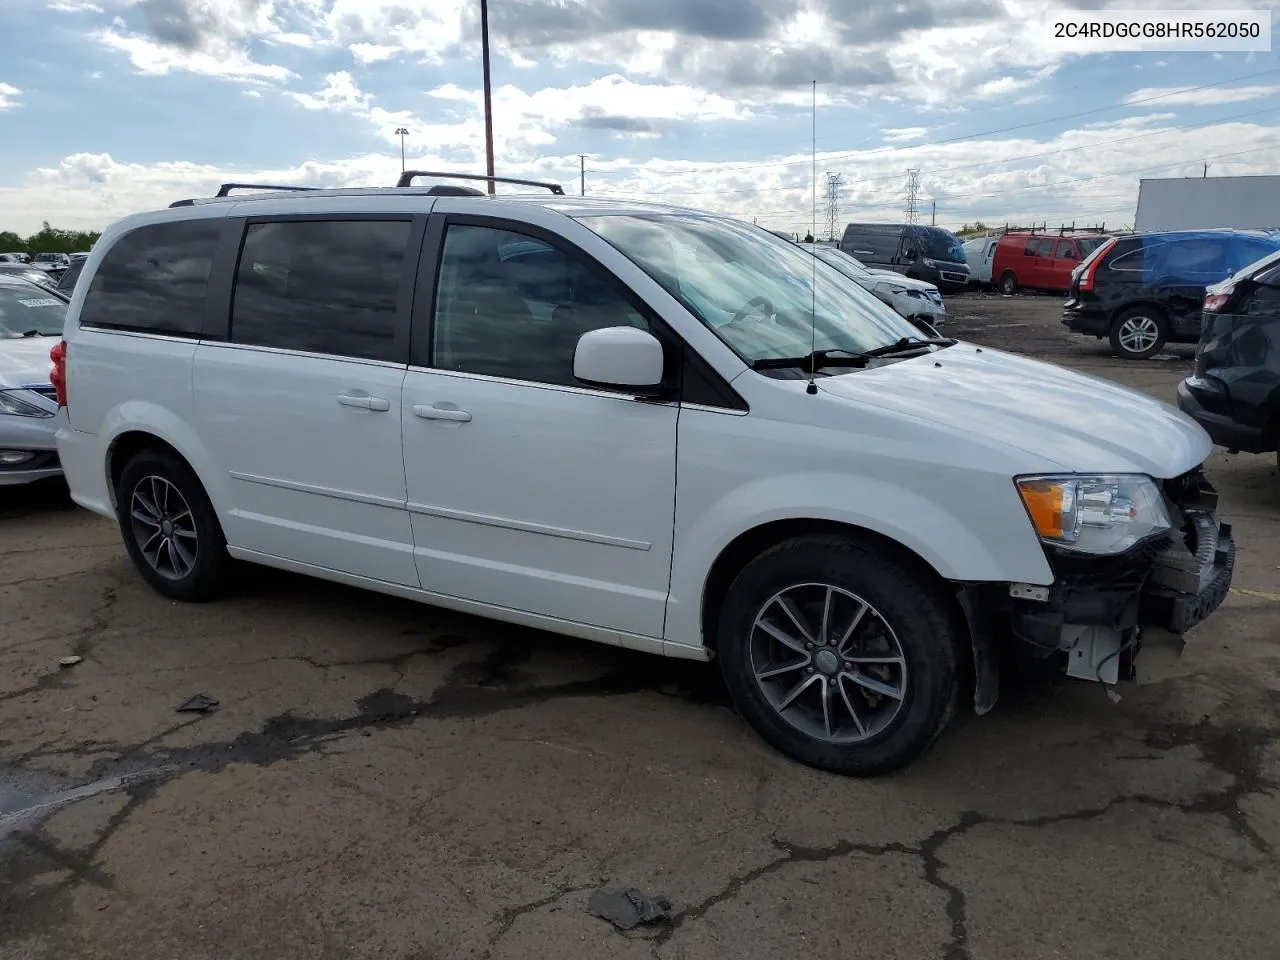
<point x="1097" y="176"/>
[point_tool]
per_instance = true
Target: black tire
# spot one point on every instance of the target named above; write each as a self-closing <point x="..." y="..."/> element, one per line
<point x="898" y="598"/>
<point x="210" y="568"/>
<point x="1008" y="284"/>
<point x="1135" y="327"/>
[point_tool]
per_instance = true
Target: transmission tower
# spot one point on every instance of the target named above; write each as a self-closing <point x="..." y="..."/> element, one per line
<point x="913" y="195"/>
<point x="834" y="182"/>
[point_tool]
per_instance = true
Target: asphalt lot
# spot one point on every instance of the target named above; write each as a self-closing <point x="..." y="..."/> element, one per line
<point x="387" y="780"/>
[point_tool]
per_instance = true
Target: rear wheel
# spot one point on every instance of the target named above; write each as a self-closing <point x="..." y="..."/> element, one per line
<point x="1139" y="333"/>
<point x="1008" y="284"/>
<point x="838" y="656"/>
<point x="170" y="529"/>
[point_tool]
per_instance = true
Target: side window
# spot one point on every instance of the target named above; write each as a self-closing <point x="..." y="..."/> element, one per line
<point x="321" y="286"/>
<point x="154" y="279"/>
<point x="1132" y="262"/>
<point x="508" y="305"/>
<point x="1068" y="250"/>
<point x="1032" y="248"/>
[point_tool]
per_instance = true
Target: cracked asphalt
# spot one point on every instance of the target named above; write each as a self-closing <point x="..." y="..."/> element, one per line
<point x="388" y="780"/>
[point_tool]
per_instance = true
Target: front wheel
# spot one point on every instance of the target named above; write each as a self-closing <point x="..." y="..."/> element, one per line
<point x="170" y="529"/>
<point x="838" y="656"/>
<point x="1138" y="334"/>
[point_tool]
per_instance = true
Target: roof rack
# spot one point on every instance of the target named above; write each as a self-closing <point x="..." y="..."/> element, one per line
<point x="407" y="178"/>
<point x="226" y="188"/>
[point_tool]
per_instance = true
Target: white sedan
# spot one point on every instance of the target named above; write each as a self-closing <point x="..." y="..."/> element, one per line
<point x="914" y="299"/>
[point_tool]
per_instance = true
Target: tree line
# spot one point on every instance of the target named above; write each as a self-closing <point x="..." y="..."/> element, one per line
<point x="49" y="240"/>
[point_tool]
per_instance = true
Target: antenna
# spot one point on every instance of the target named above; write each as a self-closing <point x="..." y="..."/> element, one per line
<point x="813" y="277"/>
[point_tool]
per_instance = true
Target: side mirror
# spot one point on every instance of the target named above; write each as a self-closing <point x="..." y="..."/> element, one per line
<point x="619" y="357"/>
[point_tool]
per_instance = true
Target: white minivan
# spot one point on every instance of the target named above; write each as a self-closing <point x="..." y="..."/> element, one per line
<point x="636" y="424"/>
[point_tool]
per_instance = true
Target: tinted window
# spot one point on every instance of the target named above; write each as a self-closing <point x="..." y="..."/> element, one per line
<point x="1131" y="261"/>
<point x="154" y="279"/>
<point x="321" y="286"/>
<point x="1067" y="250"/>
<point x="67" y="281"/>
<point x="511" y="306"/>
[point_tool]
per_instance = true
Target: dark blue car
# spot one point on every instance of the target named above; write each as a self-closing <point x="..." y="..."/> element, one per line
<point x="1145" y="290"/>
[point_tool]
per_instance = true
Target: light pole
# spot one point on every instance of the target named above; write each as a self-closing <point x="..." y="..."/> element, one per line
<point x="488" y="101"/>
<point x="582" y="172"/>
<point x="401" y="132"/>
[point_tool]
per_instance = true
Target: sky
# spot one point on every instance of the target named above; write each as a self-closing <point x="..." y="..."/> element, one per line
<point x="108" y="107"/>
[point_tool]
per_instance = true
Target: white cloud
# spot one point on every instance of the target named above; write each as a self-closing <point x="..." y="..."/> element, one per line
<point x="1211" y="96"/>
<point x="366" y="53"/>
<point x="74" y="6"/>
<point x="150" y="57"/>
<point x="339" y="93"/>
<point x="1083" y="175"/>
<point x="9" y="95"/>
<point x="902" y="134"/>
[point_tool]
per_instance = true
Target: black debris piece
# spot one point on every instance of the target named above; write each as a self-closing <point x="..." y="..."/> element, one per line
<point x="200" y="703"/>
<point x="628" y="908"/>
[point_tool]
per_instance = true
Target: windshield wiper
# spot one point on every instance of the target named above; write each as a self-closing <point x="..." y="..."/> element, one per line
<point x="32" y="333"/>
<point x="908" y="343"/>
<point x="816" y="360"/>
<point x="844" y="358"/>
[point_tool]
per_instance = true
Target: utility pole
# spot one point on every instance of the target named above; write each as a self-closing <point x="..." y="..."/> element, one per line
<point x="1206" y="171"/>
<point x="834" y="182"/>
<point x="913" y="195"/>
<point x="933" y="218"/>
<point x="582" y="174"/>
<point x="401" y="131"/>
<point x="488" y="99"/>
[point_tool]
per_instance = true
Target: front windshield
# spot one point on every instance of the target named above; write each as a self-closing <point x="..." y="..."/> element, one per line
<point x="755" y="291"/>
<point x="849" y="266"/>
<point x="939" y="244"/>
<point x="30" y="311"/>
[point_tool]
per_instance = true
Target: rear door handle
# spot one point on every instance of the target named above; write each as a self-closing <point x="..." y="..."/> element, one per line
<point x="379" y="404"/>
<point x="441" y="413"/>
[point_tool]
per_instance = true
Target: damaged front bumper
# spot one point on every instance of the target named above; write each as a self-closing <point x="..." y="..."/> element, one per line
<point x="1093" y="617"/>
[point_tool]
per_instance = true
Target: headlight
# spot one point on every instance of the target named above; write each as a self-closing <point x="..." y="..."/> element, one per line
<point x="892" y="290"/>
<point x="1100" y="515"/>
<point x="929" y="262"/>
<point x="15" y="406"/>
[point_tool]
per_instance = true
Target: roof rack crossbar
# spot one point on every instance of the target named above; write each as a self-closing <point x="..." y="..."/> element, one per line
<point x="226" y="188"/>
<point x="407" y="178"/>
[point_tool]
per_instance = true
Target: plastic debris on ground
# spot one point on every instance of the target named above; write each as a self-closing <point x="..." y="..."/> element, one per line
<point x="69" y="661"/>
<point x="628" y="908"/>
<point x="200" y="703"/>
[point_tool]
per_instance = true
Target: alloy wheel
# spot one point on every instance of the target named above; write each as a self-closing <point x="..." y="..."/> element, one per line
<point x="1138" y="334"/>
<point x="828" y="663"/>
<point x="164" y="527"/>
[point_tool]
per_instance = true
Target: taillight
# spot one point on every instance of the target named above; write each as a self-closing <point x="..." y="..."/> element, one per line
<point x="1213" y="302"/>
<point x="58" y="375"/>
<point x="1091" y="268"/>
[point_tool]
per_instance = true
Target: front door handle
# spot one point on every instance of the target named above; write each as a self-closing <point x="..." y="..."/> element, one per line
<point x="441" y="413"/>
<point x="380" y="404"/>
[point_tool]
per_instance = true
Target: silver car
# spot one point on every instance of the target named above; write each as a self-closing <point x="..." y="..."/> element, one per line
<point x="31" y="318"/>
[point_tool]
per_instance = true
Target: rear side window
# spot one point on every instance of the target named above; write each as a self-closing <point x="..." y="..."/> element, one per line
<point x="154" y="279"/>
<point x="321" y="286"/>
<point x="1132" y="261"/>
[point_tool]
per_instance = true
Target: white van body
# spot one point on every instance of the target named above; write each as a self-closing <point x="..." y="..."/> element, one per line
<point x="604" y="505"/>
<point x="980" y="253"/>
